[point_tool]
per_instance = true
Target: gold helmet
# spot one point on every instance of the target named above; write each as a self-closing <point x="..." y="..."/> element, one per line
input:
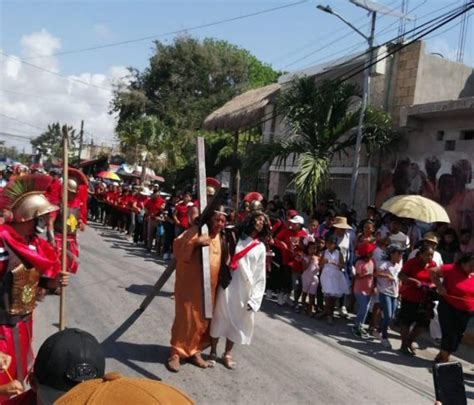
<point x="256" y="205"/>
<point x="72" y="186"/>
<point x="24" y="198"/>
<point x="212" y="186"/>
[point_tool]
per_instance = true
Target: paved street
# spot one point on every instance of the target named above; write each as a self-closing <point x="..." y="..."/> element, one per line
<point x="293" y="359"/>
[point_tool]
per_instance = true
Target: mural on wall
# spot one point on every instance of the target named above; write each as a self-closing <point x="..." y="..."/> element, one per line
<point x="450" y="189"/>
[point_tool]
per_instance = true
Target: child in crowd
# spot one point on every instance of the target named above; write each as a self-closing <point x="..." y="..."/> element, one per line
<point x="310" y="276"/>
<point x="333" y="281"/>
<point x="387" y="286"/>
<point x="363" y="285"/>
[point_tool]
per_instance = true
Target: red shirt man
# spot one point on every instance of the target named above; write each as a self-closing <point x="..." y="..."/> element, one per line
<point x="288" y="241"/>
<point x="417" y="269"/>
<point x="154" y="205"/>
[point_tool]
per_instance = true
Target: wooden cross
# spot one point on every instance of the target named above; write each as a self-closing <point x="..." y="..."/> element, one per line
<point x="202" y="198"/>
<point x="206" y="271"/>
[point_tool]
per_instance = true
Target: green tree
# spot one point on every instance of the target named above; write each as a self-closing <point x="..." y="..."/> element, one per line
<point x="50" y="144"/>
<point x="184" y="82"/>
<point x="149" y="142"/>
<point x="320" y="123"/>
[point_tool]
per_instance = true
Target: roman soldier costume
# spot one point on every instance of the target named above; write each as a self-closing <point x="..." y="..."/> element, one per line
<point x="74" y="222"/>
<point x="27" y="263"/>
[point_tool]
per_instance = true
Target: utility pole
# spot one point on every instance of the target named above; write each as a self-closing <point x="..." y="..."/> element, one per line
<point x="373" y="8"/>
<point x="81" y="137"/>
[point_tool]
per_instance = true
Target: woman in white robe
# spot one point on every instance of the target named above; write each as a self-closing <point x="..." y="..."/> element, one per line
<point x="234" y="311"/>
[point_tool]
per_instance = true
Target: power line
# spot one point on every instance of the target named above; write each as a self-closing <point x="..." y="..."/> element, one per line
<point x="21" y="121"/>
<point x="384" y="31"/>
<point x="180" y="31"/>
<point x="311" y="44"/>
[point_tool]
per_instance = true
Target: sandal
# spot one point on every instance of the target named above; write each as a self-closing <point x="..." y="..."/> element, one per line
<point x="198" y="361"/>
<point x="212" y="360"/>
<point x="173" y="363"/>
<point x="228" y="362"/>
<point x="406" y="351"/>
<point x="412" y="349"/>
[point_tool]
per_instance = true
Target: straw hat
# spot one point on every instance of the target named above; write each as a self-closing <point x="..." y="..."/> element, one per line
<point x="431" y="237"/>
<point x="115" y="389"/>
<point x="341" y="223"/>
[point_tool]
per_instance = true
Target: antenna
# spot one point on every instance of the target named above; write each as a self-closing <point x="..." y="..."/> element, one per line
<point x="403" y="21"/>
<point x="463" y="33"/>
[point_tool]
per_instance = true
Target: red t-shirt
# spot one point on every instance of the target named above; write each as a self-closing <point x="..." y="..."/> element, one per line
<point x="285" y="236"/>
<point x="53" y="193"/>
<point x="414" y="268"/>
<point x="153" y="206"/>
<point x="182" y="214"/>
<point x="458" y="284"/>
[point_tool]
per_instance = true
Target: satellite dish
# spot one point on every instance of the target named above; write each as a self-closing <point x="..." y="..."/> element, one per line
<point x="379" y="8"/>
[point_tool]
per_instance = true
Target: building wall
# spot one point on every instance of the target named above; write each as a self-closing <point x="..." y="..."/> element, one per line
<point x="440" y="79"/>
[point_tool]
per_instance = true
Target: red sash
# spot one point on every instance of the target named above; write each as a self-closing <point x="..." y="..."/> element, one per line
<point x="242" y="253"/>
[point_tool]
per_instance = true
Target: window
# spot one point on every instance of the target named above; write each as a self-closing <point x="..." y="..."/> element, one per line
<point x="450" y="145"/>
<point x="440" y="135"/>
<point x="467" y="135"/>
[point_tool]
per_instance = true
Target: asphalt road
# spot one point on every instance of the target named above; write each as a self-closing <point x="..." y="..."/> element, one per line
<point x="292" y="360"/>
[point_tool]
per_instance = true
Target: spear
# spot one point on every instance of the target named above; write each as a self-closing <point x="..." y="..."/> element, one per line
<point x="62" y="298"/>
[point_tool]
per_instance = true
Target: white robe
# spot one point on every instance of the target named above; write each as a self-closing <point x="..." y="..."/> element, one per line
<point x="232" y="319"/>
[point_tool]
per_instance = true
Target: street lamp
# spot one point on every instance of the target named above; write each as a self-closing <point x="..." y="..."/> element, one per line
<point x="372" y="8"/>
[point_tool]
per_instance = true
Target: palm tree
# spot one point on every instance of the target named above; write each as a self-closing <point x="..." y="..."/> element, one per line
<point x="320" y="122"/>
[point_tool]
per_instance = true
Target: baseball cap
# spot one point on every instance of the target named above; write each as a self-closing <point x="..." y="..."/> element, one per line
<point x="297" y="219"/>
<point x="66" y="359"/>
<point x="115" y="389"/>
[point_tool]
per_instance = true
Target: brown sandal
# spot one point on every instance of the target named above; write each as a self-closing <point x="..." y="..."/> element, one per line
<point x="173" y="363"/>
<point x="198" y="361"/>
<point x="228" y="362"/>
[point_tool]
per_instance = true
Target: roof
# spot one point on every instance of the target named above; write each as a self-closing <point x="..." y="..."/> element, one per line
<point x="242" y="111"/>
<point x="462" y="107"/>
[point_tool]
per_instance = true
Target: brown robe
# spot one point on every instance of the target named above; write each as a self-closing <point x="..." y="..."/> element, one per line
<point x="190" y="331"/>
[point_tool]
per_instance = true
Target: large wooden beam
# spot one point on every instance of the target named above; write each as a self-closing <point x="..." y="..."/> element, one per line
<point x="202" y="198"/>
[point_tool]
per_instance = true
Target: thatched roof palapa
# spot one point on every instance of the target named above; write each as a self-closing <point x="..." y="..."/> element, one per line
<point x="242" y="111"/>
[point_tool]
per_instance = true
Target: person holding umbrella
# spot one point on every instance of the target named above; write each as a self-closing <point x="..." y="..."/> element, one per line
<point x="455" y="284"/>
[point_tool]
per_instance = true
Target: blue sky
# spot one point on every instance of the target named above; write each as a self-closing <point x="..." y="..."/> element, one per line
<point x="273" y="37"/>
<point x="288" y="39"/>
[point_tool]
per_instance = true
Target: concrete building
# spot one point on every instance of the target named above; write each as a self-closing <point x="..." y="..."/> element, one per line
<point x="415" y="88"/>
<point x="424" y="94"/>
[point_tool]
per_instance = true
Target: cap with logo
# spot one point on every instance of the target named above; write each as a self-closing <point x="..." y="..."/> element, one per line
<point x="297" y="219"/>
<point x="66" y="359"/>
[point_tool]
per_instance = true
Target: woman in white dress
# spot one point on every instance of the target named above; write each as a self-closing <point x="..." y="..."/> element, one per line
<point x="234" y="311"/>
<point x="333" y="281"/>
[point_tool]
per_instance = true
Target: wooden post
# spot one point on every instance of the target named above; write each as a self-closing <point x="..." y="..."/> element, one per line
<point x="62" y="298"/>
<point x="81" y="140"/>
<point x="202" y="198"/>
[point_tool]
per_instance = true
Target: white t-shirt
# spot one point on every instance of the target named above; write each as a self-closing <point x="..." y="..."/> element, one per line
<point x="399" y="239"/>
<point x="378" y="256"/>
<point x="384" y="285"/>
<point x="436" y="257"/>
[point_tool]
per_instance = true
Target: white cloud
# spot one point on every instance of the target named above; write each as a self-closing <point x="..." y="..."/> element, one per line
<point x="102" y="30"/>
<point x="40" y="98"/>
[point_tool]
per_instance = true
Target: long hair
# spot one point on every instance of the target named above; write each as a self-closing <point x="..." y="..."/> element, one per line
<point x="247" y="227"/>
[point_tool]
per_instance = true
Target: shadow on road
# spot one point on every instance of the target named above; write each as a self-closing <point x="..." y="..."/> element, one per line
<point x="127" y="353"/>
<point x="340" y="331"/>
<point x="145" y="289"/>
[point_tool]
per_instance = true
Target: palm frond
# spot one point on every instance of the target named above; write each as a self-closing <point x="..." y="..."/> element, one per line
<point x="311" y="172"/>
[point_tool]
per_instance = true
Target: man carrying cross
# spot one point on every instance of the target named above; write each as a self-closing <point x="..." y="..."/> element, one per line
<point x="190" y="331"/>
